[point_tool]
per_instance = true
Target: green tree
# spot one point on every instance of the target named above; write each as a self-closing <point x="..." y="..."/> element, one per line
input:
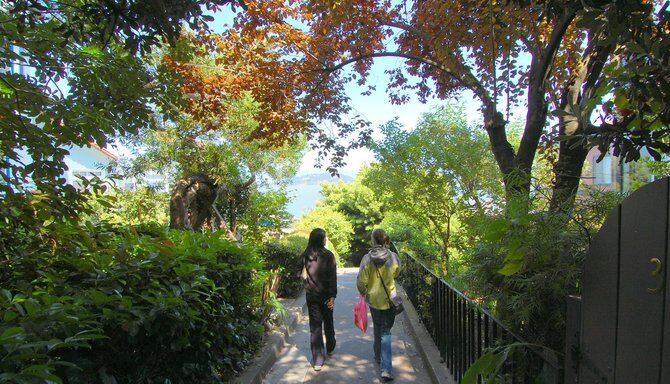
<point x="140" y="206"/>
<point x="409" y="235"/>
<point x="217" y="172"/>
<point x="436" y="174"/>
<point x="338" y="229"/>
<point x="600" y="65"/>
<point x="78" y="77"/>
<point x="362" y="207"/>
<point x="265" y="215"/>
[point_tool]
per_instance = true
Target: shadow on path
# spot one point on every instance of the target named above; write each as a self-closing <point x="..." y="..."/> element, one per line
<point x="352" y="361"/>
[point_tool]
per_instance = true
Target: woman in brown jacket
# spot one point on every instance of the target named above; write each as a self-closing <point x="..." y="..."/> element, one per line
<point x="320" y="276"/>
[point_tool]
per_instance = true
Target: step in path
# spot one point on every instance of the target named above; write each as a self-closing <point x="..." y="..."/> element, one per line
<point x="352" y="361"/>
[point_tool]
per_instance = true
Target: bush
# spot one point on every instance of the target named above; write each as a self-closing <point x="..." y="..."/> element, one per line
<point x="143" y="205"/>
<point x="83" y="303"/>
<point x="410" y="236"/>
<point x="525" y="267"/>
<point x="283" y="256"/>
<point x="338" y="228"/>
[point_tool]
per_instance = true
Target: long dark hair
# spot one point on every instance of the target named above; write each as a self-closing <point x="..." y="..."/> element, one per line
<point x="316" y="244"/>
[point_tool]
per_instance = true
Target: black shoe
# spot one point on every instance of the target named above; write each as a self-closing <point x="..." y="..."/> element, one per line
<point x="331" y="348"/>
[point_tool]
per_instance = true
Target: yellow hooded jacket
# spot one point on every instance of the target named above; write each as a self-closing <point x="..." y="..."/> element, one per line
<point x="368" y="282"/>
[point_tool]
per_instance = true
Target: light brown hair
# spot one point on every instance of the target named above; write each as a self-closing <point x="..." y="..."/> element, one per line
<point x="379" y="237"/>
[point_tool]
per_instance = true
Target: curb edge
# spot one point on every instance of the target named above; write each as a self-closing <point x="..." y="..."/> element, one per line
<point x="438" y="372"/>
<point x="275" y="341"/>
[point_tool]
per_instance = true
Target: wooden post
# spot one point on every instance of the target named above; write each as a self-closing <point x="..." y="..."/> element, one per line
<point x="572" y="339"/>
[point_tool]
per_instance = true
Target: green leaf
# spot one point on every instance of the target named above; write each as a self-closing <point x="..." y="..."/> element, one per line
<point x="5" y="89"/>
<point x="496" y="230"/>
<point x="516" y="251"/>
<point x="9" y="316"/>
<point x="620" y="100"/>
<point x="510" y="269"/>
<point x="50" y="377"/>
<point x="11" y="333"/>
<point x="483" y="366"/>
<point x="93" y="51"/>
<point x="654" y="154"/>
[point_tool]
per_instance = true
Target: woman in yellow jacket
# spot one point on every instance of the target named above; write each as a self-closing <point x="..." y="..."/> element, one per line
<point x="376" y="280"/>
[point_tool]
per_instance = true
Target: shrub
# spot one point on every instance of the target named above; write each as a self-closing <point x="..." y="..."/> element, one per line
<point x="525" y="267"/>
<point x="338" y="228"/>
<point x="283" y="256"/>
<point x="112" y="304"/>
<point x="133" y="207"/>
<point x="410" y="236"/>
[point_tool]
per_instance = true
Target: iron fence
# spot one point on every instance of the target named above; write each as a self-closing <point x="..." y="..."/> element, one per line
<point x="462" y="330"/>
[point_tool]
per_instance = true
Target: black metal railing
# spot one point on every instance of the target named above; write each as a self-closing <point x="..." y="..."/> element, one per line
<point x="462" y="330"/>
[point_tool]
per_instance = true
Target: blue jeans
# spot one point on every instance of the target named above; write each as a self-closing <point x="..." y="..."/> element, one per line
<point x="382" y="321"/>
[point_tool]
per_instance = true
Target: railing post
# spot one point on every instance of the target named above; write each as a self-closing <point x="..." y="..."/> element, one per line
<point x="572" y="339"/>
<point x="443" y="319"/>
<point x="454" y="330"/>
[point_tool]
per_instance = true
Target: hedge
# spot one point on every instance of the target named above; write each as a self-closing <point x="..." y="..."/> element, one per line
<point x="83" y="303"/>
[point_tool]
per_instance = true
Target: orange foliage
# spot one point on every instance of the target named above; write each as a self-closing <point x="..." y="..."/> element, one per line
<point x="297" y="56"/>
<point x="238" y="64"/>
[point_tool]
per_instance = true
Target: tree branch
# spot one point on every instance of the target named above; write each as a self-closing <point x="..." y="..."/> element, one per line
<point x="547" y="57"/>
<point x="405" y="27"/>
<point x="467" y="80"/>
<point x="248" y="183"/>
<point x="540" y="70"/>
<point x="231" y="235"/>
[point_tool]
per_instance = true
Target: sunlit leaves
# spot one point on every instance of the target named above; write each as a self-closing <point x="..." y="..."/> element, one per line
<point x="438" y="174"/>
<point x="76" y="76"/>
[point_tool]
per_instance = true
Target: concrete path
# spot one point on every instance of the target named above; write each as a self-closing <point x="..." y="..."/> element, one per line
<point x="352" y="361"/>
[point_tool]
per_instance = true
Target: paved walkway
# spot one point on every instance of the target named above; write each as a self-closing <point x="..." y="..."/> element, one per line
<point x="352" y="361"/>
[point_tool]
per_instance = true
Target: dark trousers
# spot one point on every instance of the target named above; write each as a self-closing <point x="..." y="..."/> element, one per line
<point x="320" y="322"/>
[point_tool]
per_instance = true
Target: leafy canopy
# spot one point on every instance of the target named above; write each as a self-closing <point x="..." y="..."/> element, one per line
<point x="186" y="146"/>
<point x="437" y="174"/>
<point x="338" y="228"/>
<point x="77" y="77"/>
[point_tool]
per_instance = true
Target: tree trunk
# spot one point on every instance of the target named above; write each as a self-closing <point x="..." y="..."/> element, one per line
<point x="518" y="176"/>
<point x="573" y="150"/>
<point x="571" y="156"/>
<point x="232" y="214"/>
<point x="190" y="203"/>
<point x="568" y="172"/>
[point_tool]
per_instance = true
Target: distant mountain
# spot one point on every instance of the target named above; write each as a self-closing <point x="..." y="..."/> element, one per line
<point x="316" y="178"/>
<point x="306" y="191"/>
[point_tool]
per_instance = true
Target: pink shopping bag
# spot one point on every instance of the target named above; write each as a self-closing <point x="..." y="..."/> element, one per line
<point x="361" y="314"/>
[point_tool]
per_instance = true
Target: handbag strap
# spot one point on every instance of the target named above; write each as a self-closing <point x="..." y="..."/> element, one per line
<point x="383" y="285"/>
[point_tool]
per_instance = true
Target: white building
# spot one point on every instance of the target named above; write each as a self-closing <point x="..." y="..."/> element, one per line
<point x="87" y="162"/>
<point x="612" y="175"/>
<point x="95" y="161"/>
